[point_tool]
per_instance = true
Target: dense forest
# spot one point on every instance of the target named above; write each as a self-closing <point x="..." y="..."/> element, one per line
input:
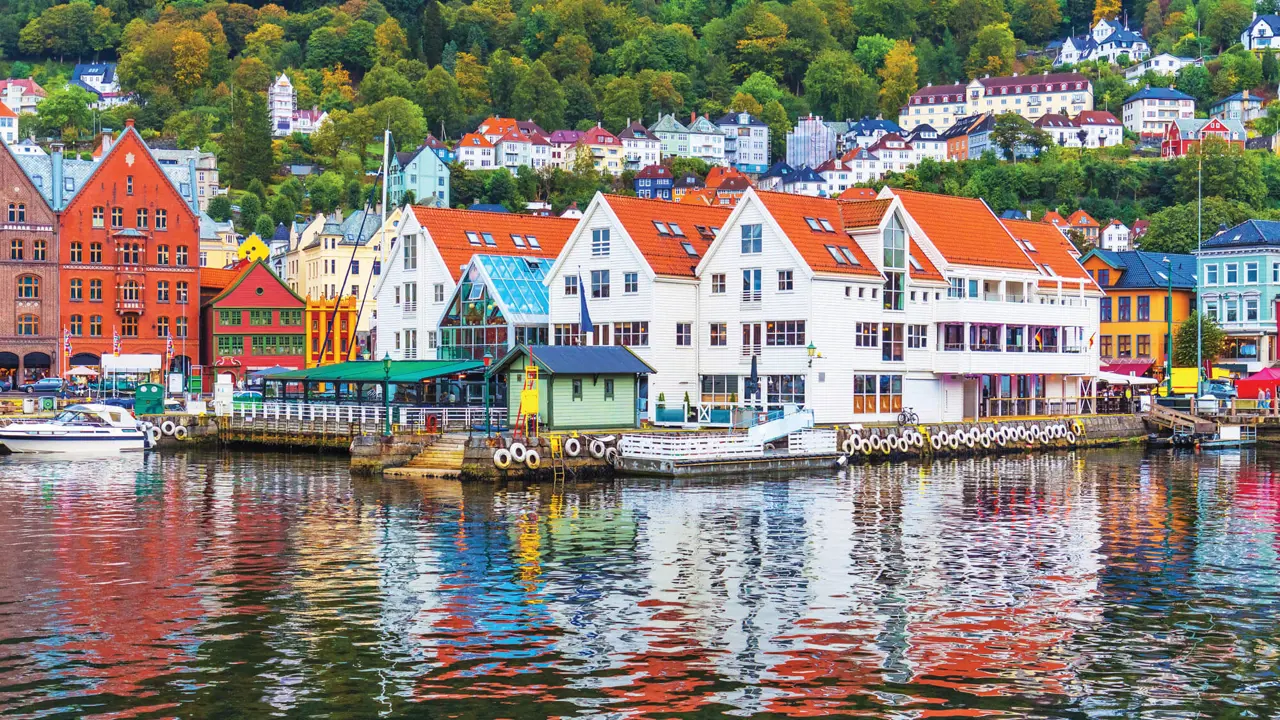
<point x="199" y="70"/>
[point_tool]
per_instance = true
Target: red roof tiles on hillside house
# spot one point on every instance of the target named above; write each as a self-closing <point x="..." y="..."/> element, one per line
<point x="1081" y="218"/>
<point x="691" y="223"/>
<point x="449" y="231"/>
<point x="964" y="230"/>
<point x="718" y="174"/>
<point x="1054" y="218"/>
<point x="857" y="193"/>
<point x="1051" y="251"/>
<point x="815" y="226"/>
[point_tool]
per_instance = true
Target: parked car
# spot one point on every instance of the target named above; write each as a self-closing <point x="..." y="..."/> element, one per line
<point x="43" y="385"/>
<point x="117" y="384"/>
<point x="5" y="386"/>
<point x="1221" y="389"/>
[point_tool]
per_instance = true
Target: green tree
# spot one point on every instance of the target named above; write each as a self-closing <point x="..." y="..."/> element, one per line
<point x="871" y="52"/>
<point x="359" y="45"/>
<point x="779" y="124"/>
<point x="264" y="227"/>
<point x="538" y="96"/>
<point x="1175" y="229"/>
<point x="325" y="192"/>
<point x="403" y="117"/>
<point x="835" y="86"/>
<point x="1008" y="133"/>
<point x="1270" y="68"/>
<point x="743" y="102"/>
<point x="581" y="105"/>
<point x="432" y="32"/>
<point x="502" y="76"/>
<point x="1226" y="22"/>
<point x="621" y="101"/>
<point x="324" y="48"/>
<point x="898" y="78"/>
<point x="1212" y="339"/>
<point x="247" y="145"/>
<point x="1038" y="21"/>
<point x="992" y="52"/>
<point x="969" y="17"/>
<point x="256" y="187"/>
<point x="441" y="102"/>
<point x="1227" y="171"/>
<point x="761" y="87"/>
<point x="282" y="209"/>
<point x="1194" y="80"/>
<point x="384" y="82"/>
<point x="65" y="112"/>
<point x="219" y="208"/>
<point x="250" y="209"/>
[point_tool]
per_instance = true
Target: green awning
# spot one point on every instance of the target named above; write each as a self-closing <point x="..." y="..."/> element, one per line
<point x="371" y="371"/>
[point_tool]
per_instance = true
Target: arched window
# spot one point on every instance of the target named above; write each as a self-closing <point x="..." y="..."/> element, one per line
<point x="29" y="287"/>
<point x="28" y="325"/>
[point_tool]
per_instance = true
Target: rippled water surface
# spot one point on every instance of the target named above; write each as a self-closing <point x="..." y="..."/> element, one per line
<point x="1094" y="585"/>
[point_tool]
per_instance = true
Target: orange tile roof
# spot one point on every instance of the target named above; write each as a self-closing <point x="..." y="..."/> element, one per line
<point x="1081" y="218"/>
<point x="219" y="278"/>
<point x="1052" y="249"/>
<point x="474" y="139"/>
<point x="857" y="193"/>
<point x="448" y="230"/>
<point x="927" y="271"/>
<point x="6" y="112"/>
<point x="790" y="211"/>
<point x="664" y="253"/>
<point x="701" y="196"/>
<point x="863" y="213"/>
<point x="718" y="174"/>
<point x="1054" y="218"/>
<point x="965" y="230"/>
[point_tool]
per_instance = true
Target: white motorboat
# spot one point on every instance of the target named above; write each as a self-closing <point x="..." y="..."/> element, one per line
<point x="90" y="429"/>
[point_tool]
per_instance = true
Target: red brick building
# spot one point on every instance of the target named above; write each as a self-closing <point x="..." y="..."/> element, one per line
<point x="255" y="323"/>
<point x="30" y="333"/>
<point x="128" y="248"/>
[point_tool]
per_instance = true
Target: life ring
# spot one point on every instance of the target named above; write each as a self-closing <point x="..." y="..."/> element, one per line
<point x="433" y="424"/>
<point x="153" y="434"/>
<point x="573" y="447"/>
<point x="611" y="455"/>
<point x="1071" y="438"/>
<point x="167" y="427"/>
<point x="596" y="448"/>
<point x="847" y="446"/>
<point x="518" y="452"/>
<point x="935" y="442"/>
<point x="502" y="458"/>
<point x="180" y="432"/>
<point x="532" y="459"/>
<point x="986" y="442"/>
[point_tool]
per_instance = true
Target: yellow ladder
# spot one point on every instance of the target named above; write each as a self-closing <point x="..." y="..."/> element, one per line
<point x="557" y="459"/>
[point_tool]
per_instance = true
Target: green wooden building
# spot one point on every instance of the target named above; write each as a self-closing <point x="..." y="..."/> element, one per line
<point x="579" y="387"/>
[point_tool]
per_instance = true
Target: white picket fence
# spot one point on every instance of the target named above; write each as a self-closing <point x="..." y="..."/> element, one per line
<point x="408" y="417"/>
<point x="813" y="441"/>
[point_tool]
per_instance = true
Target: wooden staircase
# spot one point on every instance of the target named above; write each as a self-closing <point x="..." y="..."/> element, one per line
<point x="442" y="459"/>
<point x="1180" y="421"/>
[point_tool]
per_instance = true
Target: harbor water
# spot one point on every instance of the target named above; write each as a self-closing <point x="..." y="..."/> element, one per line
<point x="1107" y="583"/>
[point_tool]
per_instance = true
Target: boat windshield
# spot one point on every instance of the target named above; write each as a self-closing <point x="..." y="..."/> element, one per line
<point x="76" y="417"/>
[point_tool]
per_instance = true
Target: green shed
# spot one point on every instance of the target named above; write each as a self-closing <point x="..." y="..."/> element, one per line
<point x="579" y="387"/>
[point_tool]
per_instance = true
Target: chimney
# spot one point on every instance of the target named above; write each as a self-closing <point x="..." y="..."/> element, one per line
<point x="56" y="176"/>
<point x="128" y="122"/>
<point x="106" y="142"/>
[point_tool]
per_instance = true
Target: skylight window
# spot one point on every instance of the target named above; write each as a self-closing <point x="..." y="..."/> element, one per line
<point x="533" y="242"/>
<point x="662" y="227"/>
<point x="848" y="255"/>
<point x="813" y="224"/>
<point x="1029" y="246"/>
<point x="473" y="238"/>
<point x="915" y="265"/>
<point x="826" y="225"/>
<point x="675" y="230"/>
<point x="714" y="230"/>
<point x="1050" y="270"/>
<point x="689" y="249"/>
<point x="518" y="240"/>
<point x="835" y="254"/>
<point x="488" y="239"/>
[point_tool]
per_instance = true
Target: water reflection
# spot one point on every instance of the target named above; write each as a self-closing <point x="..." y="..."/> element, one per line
<point x="1099" y="585"/>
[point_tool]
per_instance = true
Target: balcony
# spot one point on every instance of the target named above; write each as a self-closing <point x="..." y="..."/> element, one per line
<point x="130" y="306"/>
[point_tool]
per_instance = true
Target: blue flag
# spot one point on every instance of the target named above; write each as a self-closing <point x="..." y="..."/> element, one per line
<point x="584" y="323"/>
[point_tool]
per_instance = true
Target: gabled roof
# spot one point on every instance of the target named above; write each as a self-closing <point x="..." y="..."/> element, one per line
<point x="868" y="126"/>
<point x="474" y="140"/>
<point x="689" y="180"/>
<point x="1239" y="96"/>
<point x="718" y="174"/>
<point x="28" y="85"/>
<point x="565" y="137"/>
<point x="964" y="230"/>
<point x="1053" y="217"/>
<point x="702" y="125"/>
<point x="1050" y="251"/>
<point x="1250" y="233"/>
<point x="858" y="193"/>
<point x="218" y="278"/>
<point x="654" y="172"/>
<point x="855" y="214"/>
<point x="668" y="123"/>
<point x="41" y="167"/>
<point x="7" y="113"/>
<point x="790" y="212"/>
<point x="448" y="231"/>
<point x="1053" y="120"/>
<point x="779" y="169"/>
<point x="1272" y="21"/>
<point x="636" y="131"/>
<point x="739" y="120"/>
<point x="1096" y="117"/>
<point x="1081" y="219"/>
<point x="937" y="90"/>
<point x="1146" y="270"/>
<point x="804" y="174"/>
<point x="1013" y="82"/>
<point x="1192" y="128"/>
<point x="701" y="196"/>
<point x="579" y="360"/>
<point x="598" y="136"/>
<point x="239" y="273"/>
<point x="1150" y="93"/>
<point x="666" y="254"/>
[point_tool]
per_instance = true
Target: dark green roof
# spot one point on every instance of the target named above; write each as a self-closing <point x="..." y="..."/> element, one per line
<point x="402" y="371"/>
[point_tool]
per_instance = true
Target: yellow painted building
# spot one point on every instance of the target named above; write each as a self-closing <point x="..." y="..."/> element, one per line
<point x="253" y="249"/>
<point x="337" y="258"/>
<point x="1133" y="334"/>
<point x="330" y="336"/>
<point x="219" y="243"/>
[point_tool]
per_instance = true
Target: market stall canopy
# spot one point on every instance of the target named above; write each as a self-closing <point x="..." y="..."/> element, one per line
<point x="372" y="371"/>
<point x="130" y="363"/>
<point x="268" y="372"/>
<point x="1118" y="379"/>
<point x="1135" y="367"/>
<point x="1265" y="379"/>
<point x="82" y="371"/>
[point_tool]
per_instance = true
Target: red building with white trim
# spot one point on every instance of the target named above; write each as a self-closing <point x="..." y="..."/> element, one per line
<point x="1182" y="136"/>
<point x="128" y="247"/>
<point x="257" y="322"/>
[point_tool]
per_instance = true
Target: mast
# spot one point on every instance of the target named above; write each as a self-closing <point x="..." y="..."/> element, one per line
<point x="386" y="176"/>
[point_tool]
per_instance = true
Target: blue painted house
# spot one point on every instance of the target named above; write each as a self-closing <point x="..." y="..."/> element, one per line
<point x="654" y="183"/>
<point x="1239" y="273"/>
<point x="422" y="171"/>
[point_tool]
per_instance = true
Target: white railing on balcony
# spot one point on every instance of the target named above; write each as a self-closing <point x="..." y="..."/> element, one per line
<point x="410" y="306"/>
<point x="751" y="350"/>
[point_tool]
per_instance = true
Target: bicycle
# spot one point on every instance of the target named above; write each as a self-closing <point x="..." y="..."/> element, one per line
<point x="908" y="417"/>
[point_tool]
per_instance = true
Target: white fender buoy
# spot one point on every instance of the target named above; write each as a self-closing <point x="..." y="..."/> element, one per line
<point x="953" y="441"/>
<point x="532" y="459"/>
<point x="935" y="441"/>
<point x="502" y="458"/>
<point x="180" y="432"/>
<point x="1071" y="438"/>
<point x="847" y="446"/>
<point x="153" y="434"/>
<point x="856" y="443"/>
<point x="611" y="455"/>
<point x="874" y="443"/>
<point x="596" y="448"/>
<point x="969" y="441"/>
<point x="573" y="447"/>
<point x="167" y="427"/>
<point x="518" y="452"/>
<point x="986" y="442"/>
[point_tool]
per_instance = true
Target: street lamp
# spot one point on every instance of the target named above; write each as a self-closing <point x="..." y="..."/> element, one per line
<point x="488" y="418"/>
<point x="386" y="394"/>
<point x="1168" y="316"/>
<point x="812" y="350"/>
